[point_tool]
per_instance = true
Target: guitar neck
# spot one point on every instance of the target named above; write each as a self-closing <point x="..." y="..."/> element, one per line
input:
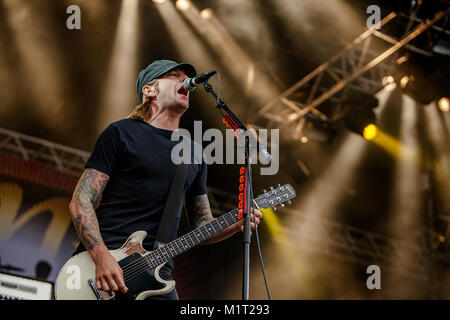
<point x="154" y="258"/>
<point x="190" y="239"/>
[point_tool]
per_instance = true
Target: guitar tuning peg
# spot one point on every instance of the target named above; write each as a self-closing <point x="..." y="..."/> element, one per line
<point x="271" y="188"/>
<point x="289" y="202"/>
<point x="279" y="185"/>
<point x="282" y="205"/>
<point x="264" y="190"/>
<point x="274" y="208"/>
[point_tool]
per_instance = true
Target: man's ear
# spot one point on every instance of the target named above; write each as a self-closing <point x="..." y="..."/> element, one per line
<point x="149" y="91"/>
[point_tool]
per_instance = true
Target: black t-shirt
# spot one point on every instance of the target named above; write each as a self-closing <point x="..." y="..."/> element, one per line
<point x="137" y="158"/>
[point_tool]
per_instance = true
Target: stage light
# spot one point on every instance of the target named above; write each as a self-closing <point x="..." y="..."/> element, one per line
<point x="389" y="83"/>
<point x="370" y="132"/>
<point x="206" y="13"/>
<point x="183" y="5"/>
<point x="239" y="64"/>
<point x="159" y="1"/>
<point x="387" y="80"/>
<point x="360" y="117"/>
<point x="187" y="44"/>
<point x="122" y="65"/>
<point x="428" y="80"/>
<point x="304" y="139"/>
<point x="444" y="104"/>
<point x="404" y="81"/>
<point x="361" y="120"/>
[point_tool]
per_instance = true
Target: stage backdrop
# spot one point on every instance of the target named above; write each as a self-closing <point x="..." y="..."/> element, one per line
<point x="35" y="223"/>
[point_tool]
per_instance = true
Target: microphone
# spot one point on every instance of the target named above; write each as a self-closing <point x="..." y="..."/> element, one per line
<point x="191" y="83"/>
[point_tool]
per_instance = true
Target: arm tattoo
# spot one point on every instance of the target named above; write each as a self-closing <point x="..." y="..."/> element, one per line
<point x="201" y="210"/>
<point x="87" y="193"/>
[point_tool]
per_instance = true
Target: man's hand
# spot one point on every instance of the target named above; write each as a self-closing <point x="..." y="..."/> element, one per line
<point x="255" y="217"/>
<point x="108" y="274"/>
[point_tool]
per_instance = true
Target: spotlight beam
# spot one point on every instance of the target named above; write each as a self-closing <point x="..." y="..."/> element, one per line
<point x="438" y="136"/>
<point x="42" y="65"/>
<point x="119" y="90"/>
<point x="240" y="65"/>
<point x="188" y="45"/>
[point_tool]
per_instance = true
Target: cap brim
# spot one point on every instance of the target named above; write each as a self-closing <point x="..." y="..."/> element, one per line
<point x="188" y="69"/>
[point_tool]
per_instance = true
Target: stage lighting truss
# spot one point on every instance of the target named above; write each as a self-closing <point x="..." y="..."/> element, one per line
<point x="360" y="66"/>
<point x="64" y="158"/>
<point x="72" y="161"/>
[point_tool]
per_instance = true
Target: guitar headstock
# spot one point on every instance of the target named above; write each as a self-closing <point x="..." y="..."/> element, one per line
<point x="276" y="196"/>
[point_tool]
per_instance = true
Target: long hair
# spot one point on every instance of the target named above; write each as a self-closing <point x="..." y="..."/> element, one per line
<point x="143" y="111"/>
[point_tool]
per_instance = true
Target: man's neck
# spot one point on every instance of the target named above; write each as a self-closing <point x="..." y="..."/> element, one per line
<point x="166" y="119"/>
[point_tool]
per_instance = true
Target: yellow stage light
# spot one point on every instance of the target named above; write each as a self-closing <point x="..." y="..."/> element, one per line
<point x="159" y="1"/>
<point x="370" y="132"/>
<point x="273" y="223"/>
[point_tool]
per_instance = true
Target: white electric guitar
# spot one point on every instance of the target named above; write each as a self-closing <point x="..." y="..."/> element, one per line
<point x="76" y="279"/>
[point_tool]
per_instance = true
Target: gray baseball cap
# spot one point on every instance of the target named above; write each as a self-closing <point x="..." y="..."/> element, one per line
<point x="158" y="68"/>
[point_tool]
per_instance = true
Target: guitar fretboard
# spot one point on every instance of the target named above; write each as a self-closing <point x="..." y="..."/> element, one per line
<point x="159" y="256"/>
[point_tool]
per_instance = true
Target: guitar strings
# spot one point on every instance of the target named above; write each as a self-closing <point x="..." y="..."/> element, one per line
<point x="137" y="265"/>
<point x="134" y="268"/>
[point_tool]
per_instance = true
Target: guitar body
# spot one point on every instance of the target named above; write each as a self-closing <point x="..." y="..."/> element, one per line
<point x="72" y="282"/>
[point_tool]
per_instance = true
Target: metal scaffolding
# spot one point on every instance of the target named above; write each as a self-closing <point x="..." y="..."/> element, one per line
<point x="357" y="67"/>
<point x="64" y="158"/>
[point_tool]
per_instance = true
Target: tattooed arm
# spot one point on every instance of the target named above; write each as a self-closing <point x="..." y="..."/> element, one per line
<point x="85" y="198"/>
<point x="200" y="209"/>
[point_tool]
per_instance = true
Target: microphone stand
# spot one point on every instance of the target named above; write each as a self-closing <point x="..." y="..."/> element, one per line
<point x="236" y="124"/>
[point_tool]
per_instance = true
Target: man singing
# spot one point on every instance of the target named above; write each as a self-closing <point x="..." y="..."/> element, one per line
<point x="127" y="179"/>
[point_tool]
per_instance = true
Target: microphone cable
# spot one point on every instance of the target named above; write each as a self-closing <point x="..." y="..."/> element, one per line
<point x="259" y="252"/>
